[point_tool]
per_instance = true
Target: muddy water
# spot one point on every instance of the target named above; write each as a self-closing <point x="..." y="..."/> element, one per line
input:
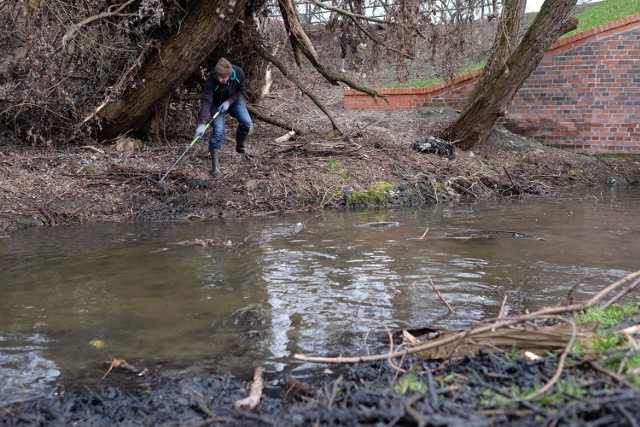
<point x="266" y="288"/>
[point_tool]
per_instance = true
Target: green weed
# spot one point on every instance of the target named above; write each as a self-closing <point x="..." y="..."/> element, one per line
<point x="512" y="355"/>
<point x="410" y="383"/>
<point x="494" y="399"/>
<point x="86" y="170"/>
<point x="564" y="391"/>
<point x="608" y="317"/>
<point x="610" y="348"/>
<point x="378" y="192"/>
<point x="336" y="167"/>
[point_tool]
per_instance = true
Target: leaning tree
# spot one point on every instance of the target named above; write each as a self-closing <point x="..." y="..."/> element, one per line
<point x="80" y="65"/>
<point x="204" y="27"/>
<point x="509" y="66"/>
<point x="207" y="25"/>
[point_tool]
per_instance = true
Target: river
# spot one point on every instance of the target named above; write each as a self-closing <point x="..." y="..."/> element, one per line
<point x="232" y="294"/>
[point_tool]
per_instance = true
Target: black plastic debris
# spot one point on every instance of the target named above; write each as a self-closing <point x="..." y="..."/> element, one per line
<point x="433" y="145"/>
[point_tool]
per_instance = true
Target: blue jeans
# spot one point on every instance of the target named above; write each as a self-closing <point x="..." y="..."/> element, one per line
<point x="237" y="110"/>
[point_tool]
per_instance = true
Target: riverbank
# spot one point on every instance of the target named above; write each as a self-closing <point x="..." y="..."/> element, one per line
<point x="486" y="389"/>
<point x="373" y="165"/>
<point x="348" y="401"/>
<point x="89" y="184"/>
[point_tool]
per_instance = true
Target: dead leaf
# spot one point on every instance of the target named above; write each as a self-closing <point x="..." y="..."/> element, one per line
<point x="127" y="145"/>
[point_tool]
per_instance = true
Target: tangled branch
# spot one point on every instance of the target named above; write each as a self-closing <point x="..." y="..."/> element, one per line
<point x="629" y="283"/>
<point x="110" y="12"/>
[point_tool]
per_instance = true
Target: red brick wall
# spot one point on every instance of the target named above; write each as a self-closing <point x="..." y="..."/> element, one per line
<point x="401" y="99"/>
<point x="584" y="95"/>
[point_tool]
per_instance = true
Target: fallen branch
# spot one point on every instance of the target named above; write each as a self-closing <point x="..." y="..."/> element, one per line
<point x="514" y="233"/>
<point x="536" y="339"/>
<point x="493" y="324"/>
<point x="503" y="308"/>
<point x="89" y="147"/>
<point x="563" y="356"/>
<point x="253" y="400"/>
<point x="272" y="120"/>
<point x="287" y="136"/>
<point x="451" y="310"/>
<point x="424" y="234"/>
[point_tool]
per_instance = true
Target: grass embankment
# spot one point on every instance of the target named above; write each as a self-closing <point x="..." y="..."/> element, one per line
<point x="603" y="12"/>
<point x="591" y="16"/>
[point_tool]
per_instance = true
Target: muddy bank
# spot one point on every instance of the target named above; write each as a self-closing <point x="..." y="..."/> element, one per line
<point x="472" y="391"/>
<point x="374" y="165"/>
<point x="46" y="183"/>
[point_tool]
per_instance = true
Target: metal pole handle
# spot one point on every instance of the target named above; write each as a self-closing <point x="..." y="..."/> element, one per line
<point x="189" y="146"/>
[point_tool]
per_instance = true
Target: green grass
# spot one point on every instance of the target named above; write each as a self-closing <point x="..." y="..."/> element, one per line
<point x="613" y="350"/>
<point x="613" y="315"/>
<point x="410" y="384"/>
<point x="335" y="167"/>
<point x="603" y="12"/>
<point x="418" y="82"/>
<point x="435" y="80"/>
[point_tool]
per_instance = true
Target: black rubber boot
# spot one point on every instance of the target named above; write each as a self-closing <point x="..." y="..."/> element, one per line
<point x="215" y="162"/>
<point x="240" y="148"/>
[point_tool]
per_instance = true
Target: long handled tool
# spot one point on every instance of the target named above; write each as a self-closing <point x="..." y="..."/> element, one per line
<point x="188" y="147"/>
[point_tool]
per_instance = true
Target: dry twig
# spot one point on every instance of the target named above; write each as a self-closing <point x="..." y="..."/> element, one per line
<point x="111" y="12"/>
<point x="563" y="356"/>
<point x="253" y="400"/>
<point x="451" y="310"/>
<point x="495" y="324"/>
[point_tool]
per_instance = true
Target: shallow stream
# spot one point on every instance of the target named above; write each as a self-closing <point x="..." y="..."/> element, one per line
<point x="230" y="295"/>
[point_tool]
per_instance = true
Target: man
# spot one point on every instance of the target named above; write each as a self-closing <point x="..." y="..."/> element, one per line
<point x="222" y="93"/>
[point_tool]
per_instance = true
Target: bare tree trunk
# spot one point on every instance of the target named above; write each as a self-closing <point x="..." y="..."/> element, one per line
<point x="297" y="36"/>
<point x="507" y="38"/>
<point x="504" y="77"/>
<point x="202" y="30"/>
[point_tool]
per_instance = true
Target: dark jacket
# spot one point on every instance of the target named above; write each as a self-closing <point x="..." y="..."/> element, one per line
<point x="216" y="93"/>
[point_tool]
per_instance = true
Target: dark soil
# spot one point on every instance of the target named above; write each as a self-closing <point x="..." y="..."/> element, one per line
<point x="471" y="392"/>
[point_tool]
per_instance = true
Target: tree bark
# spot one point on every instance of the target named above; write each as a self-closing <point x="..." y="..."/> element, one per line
<point x="202" y="30"/>
<point x="506" y="41"/>
<point x="503" y="79"/>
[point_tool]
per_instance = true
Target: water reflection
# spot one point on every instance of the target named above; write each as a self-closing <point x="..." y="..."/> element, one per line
<point x="273" y="287"/>
<point x="26" y="371"/>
